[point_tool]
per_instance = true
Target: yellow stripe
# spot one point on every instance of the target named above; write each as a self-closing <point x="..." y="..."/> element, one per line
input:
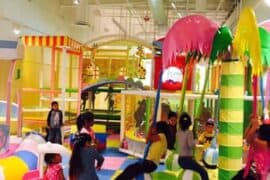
<point x="231" y="116"/>
<point x="231" y="92"/>
<point x="232" y="68"/>
<point x="36" y="41"/>
<point x="51" y="41"/>
<point x="58" y="41"/>
<point x="23" y="40"/>
<point x="230" y="140"/>
<point x="229" y="164"/>
<point x="65" y="41"/>
<point x="29" y="41"/>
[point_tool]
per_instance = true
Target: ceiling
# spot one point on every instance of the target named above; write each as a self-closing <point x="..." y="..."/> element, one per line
<point x="138" y="19"/>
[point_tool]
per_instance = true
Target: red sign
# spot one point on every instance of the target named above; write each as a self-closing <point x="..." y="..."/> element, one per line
<point x="172" y="77"/>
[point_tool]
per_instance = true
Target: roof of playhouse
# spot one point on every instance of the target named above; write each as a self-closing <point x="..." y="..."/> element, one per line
<point x="52" y="41"/>
<point x="10" y="50"/>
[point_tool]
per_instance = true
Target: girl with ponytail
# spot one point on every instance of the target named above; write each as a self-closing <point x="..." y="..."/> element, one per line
<point x="83" y="157"/>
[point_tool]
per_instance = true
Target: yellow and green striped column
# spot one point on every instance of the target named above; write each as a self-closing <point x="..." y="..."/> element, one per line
<point x="231" y="119"/>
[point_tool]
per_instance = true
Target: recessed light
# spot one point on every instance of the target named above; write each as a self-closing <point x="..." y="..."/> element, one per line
<point x="173" y="5"/>
<point x="16" y="31"/>
<point x="267" y="2"/>
<point x="76" y="2"/>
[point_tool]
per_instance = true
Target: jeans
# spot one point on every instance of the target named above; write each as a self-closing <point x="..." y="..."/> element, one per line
<point x="189" y="163"/>
<point x="137" y="168"/>
<point x="54" y="135"/>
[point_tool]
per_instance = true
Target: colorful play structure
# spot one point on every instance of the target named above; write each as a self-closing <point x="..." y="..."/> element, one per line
<point x="188" y="35"/>
<point x="29" y="158"/>
<point x="58" y="67"/>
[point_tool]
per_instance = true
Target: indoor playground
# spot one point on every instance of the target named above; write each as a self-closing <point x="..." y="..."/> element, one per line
<point x="214" y="71"/>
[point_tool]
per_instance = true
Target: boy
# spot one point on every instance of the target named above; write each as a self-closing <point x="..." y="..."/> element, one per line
<point x="172" y="120"/>
<point x="55" y="122"/>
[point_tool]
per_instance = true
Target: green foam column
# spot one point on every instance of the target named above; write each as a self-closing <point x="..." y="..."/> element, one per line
<point x="231" y="119"/>
<point x="147" y="114"/>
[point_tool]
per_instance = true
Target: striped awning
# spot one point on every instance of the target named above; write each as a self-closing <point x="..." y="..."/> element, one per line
<point x="51" y="41"/>
<point x="10" y="50"/>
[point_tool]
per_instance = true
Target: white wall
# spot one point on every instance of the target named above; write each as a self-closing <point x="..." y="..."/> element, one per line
<point x="260" y="8"/>
<point x="33" y="17"/>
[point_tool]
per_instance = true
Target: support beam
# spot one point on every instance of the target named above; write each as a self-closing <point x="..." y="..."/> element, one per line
<point x="219" y="5"/>
<point x="121" y="28"/>
<point x="159" y="15"/>
<point x="230" y="135"/>
<point x="8" y="99"/>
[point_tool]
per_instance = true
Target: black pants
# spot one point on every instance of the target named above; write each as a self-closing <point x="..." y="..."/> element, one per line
<point x="144" y="166"/>
<point x="240" y="176"/>
<point x="189" y="163"/>
<point x="54" y="135"/>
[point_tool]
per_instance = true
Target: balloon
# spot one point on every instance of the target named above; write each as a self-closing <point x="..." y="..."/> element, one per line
<point x="210" y="157"/>
<point x="194" y="33"/>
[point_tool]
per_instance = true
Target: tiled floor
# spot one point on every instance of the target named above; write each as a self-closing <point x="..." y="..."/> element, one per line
<point x="116" y="161"/>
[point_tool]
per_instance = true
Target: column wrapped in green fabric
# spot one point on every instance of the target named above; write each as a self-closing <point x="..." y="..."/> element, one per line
<point x="231" y="119"/>
<point x="147" y="114"/>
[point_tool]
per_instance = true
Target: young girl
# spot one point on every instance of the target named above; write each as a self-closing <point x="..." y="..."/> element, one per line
<point x="158" y="147"/>
<point x="207" y="136"/>
<point x="54" y="169"/>
<point x="82" y="161"/>
<point x="186" y="144"/>
<point x="85" y="122"/>
<point x="258" y="162"/>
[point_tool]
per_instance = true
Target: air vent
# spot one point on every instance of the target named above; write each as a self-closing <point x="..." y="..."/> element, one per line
<point x="82" y="23"/>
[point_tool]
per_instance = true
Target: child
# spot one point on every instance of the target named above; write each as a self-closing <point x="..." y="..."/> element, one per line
<point x="158" y="147"/>
<point x="110" y="98"/>
<point x="85" y="122"/>
<point x="207" y="136"/>
<point x="55" y="122"/>
<point x="82" y="161"/>
<point x="186" y="146"/>
<point x="54" y="170"/>
<point x="172" y="118"/>
<point x="258" y="162"/>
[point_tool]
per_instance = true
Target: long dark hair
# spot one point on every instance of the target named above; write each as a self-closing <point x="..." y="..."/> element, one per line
<point x="75" y="163"/>
<point x="83" y="119"/>
<point x="48" y="158"/>
<point x="184" y="121"/>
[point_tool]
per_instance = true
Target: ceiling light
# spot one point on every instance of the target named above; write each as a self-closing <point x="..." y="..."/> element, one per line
<point x="76" y="2"/>
<point x="179" y="15"/>
<point x="173" y="5"/>
<point x="267" y="2"/>
<point x="16" y="28"/>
